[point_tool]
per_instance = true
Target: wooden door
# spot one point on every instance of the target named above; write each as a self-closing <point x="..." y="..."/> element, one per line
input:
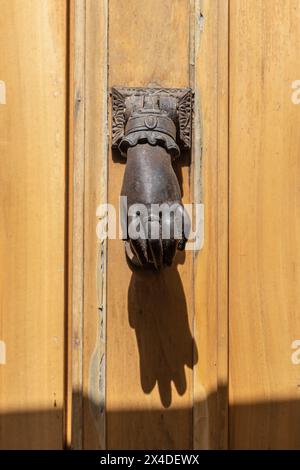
<point x="94" y="355"/>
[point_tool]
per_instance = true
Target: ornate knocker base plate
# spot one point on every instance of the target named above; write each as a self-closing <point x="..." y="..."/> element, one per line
<point x="173" y="104"/>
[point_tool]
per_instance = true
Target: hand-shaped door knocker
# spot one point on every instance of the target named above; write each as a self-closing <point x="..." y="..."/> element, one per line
<point x="149" y="127"/>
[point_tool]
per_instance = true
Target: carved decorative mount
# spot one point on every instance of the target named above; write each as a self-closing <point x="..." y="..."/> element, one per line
<point x="159" y="116"/>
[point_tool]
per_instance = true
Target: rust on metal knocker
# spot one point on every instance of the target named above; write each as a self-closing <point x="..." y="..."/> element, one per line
<point x="149" y="127"/>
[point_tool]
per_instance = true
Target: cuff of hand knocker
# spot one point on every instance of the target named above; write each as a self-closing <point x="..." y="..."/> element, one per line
<point x="152" y="138"/>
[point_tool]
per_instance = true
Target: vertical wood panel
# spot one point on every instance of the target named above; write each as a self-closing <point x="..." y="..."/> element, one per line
<point x="76" y="223"/>
<point x="96" y="157"/>
<point x="32" y="233"/>
<point x="211" y="263"/>
<point x="264" y="224"/>
<point x="89" y="154"/>
<point x="149" y="316"/>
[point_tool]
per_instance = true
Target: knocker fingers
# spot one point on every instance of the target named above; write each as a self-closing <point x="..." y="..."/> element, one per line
<point x="139" y="248"/>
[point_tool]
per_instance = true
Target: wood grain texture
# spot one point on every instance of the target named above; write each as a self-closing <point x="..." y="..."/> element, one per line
<point x="149" y="316"/>
<point x="264" y="224"/>
<point x="211" y="263"/>
<point x="95" y="249"/>
<point x="76" y="223"/>
<point x="88" y="189"/>
<point x="32" y="233"/>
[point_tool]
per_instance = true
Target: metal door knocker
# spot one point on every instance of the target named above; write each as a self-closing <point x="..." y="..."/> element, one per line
<point x="149" y="127"/>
